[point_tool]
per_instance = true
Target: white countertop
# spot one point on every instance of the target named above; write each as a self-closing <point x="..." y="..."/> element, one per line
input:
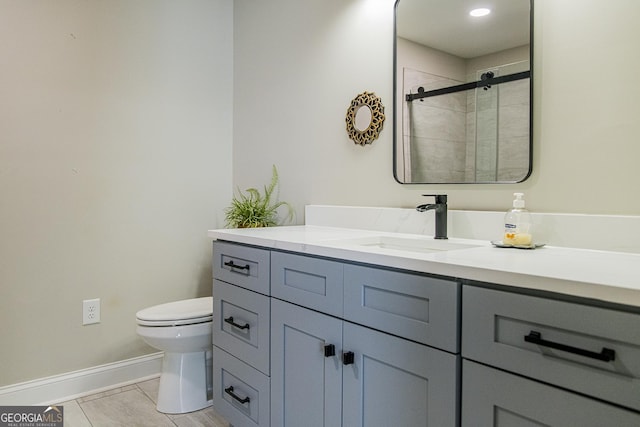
<point x="601" y="275"/>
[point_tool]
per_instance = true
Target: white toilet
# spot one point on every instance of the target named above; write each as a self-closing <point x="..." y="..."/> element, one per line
<point x="182" y="329"/>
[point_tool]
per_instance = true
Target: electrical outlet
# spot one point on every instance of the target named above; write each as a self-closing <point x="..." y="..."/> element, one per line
<point x="91" y="311"/>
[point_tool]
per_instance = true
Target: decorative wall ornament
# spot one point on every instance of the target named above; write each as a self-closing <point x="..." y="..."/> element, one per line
<point x="365" y="118"/>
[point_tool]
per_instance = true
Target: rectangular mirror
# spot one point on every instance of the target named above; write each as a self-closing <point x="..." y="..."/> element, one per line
<point x="462" y="91"/>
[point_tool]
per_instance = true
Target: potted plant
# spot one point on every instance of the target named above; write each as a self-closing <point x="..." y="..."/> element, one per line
<point x="254" y="209"/>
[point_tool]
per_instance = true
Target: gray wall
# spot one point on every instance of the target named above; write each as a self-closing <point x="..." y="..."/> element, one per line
<point x="115" y="159"/>
<point x="294" y="79"/>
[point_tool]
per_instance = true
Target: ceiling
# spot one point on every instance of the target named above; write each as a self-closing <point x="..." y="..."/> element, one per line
<point x="446" y="25"/>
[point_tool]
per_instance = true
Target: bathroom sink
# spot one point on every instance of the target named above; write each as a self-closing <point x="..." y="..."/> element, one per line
<point x="405" y="244"/>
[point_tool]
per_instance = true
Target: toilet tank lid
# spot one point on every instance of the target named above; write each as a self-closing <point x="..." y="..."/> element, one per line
<point x="178" y="310"/>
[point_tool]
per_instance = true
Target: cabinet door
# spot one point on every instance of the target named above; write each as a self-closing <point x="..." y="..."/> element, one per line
<point x="306" y="384"/>
<point x="495" y="398"/>
<point x="395" y="382"/>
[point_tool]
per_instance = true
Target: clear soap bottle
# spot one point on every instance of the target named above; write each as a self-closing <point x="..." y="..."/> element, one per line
<point x="517" y="224"/>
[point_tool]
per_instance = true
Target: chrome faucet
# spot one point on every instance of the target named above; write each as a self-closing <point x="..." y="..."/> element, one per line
<point x="440" y="206"/>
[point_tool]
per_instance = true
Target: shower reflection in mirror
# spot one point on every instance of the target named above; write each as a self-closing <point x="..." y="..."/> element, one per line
<point x="481" y="134"/>
<point x="463" y="92"/>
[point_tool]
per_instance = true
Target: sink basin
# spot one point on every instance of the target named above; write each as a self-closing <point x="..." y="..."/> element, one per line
<point x="405" y="244"/>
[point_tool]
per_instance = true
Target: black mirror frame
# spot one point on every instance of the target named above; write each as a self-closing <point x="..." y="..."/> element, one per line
<point x="395" y="105"/>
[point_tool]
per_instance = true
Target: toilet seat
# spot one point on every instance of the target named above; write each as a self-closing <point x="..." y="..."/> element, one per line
<point x="177" y="313"/>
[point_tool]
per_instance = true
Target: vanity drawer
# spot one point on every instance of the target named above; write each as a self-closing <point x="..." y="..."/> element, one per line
<point x="241" y="394"/>
<point x="241" y="324"/>
<point x="412" y="306"/>
<point x="491" y="397"/>
<point x="311" y="282"/>
<point x="557" y="342"/>
<point x="244" y="266"/>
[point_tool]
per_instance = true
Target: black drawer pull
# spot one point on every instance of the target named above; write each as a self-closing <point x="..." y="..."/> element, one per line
<point x="329" y="350"/>
<point x="348" y="358"/>
<point x="606" y="355"/>
<point x="230" y="321"/>
<point x="233" y="266"/>
<point x="229" y="391"/>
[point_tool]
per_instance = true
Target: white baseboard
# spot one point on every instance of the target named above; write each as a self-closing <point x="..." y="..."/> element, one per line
<point x="72" y="385"/>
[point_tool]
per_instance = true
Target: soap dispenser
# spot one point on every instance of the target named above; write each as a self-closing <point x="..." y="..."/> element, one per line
<point x="517" y="224"/>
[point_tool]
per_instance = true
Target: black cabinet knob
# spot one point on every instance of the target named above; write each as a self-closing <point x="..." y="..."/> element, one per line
<point x="329" y="350"/>
<point x="348" y="358"/>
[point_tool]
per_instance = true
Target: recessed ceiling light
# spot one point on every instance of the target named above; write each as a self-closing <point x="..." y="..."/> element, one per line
<point x="480" y="12"/>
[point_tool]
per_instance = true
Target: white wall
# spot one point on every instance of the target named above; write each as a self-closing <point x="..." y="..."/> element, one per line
<point x="299" y="64"/>
<point x="115" y="159"/>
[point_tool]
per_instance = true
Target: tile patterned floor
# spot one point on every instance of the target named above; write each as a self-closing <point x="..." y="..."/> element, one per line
<point x="132" y="406"/>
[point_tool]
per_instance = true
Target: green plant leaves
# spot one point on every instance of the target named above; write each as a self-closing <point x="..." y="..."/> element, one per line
<point x="252" y="209"/>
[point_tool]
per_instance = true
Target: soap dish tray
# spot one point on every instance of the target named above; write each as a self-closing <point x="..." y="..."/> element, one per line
<point x="500" y="244"/>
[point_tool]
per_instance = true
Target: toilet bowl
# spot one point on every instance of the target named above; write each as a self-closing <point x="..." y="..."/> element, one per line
<point x="182" y="329"/>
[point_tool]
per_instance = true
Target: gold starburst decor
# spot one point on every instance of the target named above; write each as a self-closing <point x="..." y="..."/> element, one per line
<point x="365" y="118"/>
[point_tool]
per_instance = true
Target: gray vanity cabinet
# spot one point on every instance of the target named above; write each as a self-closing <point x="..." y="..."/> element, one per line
<point x="327" y="370"/>
<point x="309" y="341"/>
<point x="388" y="381"/>
<point x="566" y="363"/>
<point x="241" y="328"/>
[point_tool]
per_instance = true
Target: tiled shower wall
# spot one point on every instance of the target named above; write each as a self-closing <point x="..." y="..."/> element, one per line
<point x="434" y="130"/>
<point x="497" y="148"/>
<point x="441" y="141"/>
